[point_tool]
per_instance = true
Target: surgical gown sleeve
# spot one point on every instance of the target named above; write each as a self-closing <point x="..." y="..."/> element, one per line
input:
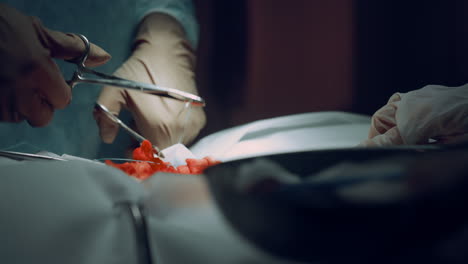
<point x="66" y="212"/>
<point x="182" y="10"/>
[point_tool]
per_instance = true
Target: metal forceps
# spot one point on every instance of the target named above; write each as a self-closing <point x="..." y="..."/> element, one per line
<point x="79" y="76"/>
<point x="130" y="131"/>
<point x="84" y="74"/>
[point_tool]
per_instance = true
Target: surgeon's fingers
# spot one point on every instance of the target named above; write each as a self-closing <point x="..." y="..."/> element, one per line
<point x="113" y="99"/>
<point x="389" y="138"/>
<point x="69" y="46"/>
<point x="39" y="111"/>
<point x="40" y="91"/>
<point x="385" y="118"/>
<point x="382" y="121"/>
<point x="53" y="86"/>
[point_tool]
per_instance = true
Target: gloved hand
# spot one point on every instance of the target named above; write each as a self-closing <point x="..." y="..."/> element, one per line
<point x="31" y="85"/>
<point x="432" y="112"/>
<point x="161" y="56"/>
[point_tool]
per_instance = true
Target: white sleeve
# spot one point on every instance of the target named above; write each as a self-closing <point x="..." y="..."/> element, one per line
<point x="182" y="10"/>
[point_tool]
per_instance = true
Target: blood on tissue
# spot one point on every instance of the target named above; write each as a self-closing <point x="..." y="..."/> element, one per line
<point x="147" y="164"/>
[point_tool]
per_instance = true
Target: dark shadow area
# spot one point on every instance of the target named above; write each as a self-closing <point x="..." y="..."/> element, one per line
<point x="394" y="46"/>
<point x="222" y="54"/>
<point x="405" y="45"/>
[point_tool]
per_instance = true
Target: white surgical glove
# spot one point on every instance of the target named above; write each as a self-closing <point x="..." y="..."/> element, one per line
<point x="31" y="84"/>
<point x="162" y="56"/>
<point x="432" y="112"/>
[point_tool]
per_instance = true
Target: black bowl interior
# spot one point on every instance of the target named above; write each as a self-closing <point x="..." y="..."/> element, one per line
<point x="317" y="226"/>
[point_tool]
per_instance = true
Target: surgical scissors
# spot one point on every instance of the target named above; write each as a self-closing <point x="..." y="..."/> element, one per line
<point x="82" y="74"/>
<point x="79" y="76"/>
